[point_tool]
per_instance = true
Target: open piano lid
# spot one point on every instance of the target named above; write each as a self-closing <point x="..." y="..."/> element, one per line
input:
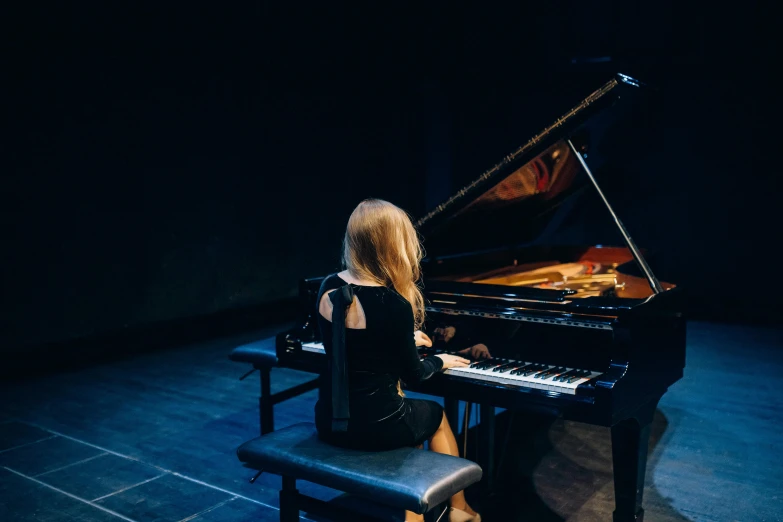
<point x="519" y="199"/>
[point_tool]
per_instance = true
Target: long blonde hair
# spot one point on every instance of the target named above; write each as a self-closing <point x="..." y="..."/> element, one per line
<point x="382" y="246"/>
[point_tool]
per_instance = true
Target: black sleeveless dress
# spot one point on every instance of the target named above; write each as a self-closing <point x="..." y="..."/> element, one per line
<point x="376" y="358"/>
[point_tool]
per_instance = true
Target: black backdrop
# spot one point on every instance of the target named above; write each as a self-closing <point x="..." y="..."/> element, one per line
<point x="176" y="160"/>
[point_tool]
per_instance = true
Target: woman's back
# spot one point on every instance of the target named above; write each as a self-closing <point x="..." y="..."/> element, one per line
<point x="378" y="356"/>
<point x="371" y="346"/>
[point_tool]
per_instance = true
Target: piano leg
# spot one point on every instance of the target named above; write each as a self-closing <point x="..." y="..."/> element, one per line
<point x="265" y="403"/>
<point x="451" y="408"/>
<point x="630" y="438"/>
<point x="486" y="449"/>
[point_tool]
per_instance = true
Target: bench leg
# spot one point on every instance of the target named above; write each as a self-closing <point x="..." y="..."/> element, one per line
<point x="266" y="404"/>
<point x="289" y="501"/>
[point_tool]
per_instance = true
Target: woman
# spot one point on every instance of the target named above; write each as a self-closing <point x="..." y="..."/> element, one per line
<point x="383" y="310"/>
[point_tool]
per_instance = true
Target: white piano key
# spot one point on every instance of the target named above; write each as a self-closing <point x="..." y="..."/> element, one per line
<point x="573" y="385"/>
<point x="522" y="381"/>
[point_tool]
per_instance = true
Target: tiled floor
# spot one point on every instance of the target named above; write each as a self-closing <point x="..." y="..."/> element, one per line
<point x="153" y="438"/>
<point x="22" y="498"/>
<point x="49" y="477"/>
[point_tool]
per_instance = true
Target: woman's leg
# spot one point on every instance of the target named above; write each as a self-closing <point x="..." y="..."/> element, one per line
<point x="444" y="442"/>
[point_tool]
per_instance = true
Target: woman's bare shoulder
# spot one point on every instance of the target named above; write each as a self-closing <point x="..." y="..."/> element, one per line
<point x="354" y="319"/>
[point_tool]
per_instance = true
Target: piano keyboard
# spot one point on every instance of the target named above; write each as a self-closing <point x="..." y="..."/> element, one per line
<point x="537" y="376"/>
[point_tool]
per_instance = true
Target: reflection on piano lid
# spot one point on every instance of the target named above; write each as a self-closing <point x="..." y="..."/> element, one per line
<point x="495" y="230"/>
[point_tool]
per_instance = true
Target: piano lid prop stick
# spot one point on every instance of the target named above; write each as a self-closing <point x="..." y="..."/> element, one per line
<point x="654" y="283"/>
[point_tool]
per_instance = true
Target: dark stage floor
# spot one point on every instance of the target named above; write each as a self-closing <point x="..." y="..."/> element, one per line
<point x="153" y="438"/>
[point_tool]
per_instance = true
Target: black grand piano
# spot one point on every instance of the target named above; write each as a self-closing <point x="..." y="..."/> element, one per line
<point x="583" y="331"/>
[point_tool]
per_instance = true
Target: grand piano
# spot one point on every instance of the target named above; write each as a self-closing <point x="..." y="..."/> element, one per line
<point x="587" y="332"/>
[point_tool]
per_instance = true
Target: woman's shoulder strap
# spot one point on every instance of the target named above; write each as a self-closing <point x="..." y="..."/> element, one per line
<point x="342" y="296"/>
<point x="341" y="299"/>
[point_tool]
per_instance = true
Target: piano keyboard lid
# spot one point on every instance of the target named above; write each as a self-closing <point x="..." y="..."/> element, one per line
<point x="523" y="198"/>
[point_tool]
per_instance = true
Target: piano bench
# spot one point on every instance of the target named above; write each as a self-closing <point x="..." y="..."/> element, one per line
<point x="405" y="479"/>
<point x="263" y="356"/>
<point x="259" y="353"/>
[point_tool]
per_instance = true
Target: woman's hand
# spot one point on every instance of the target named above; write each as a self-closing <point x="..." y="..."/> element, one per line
<point x="422" y="339"/>
<point x="453" y="361"/>
<point x="477" y="351"/>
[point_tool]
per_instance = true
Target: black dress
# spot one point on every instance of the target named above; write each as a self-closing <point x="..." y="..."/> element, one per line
<point x="376" y="358"/>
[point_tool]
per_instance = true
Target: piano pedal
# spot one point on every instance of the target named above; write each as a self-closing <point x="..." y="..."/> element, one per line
<point x="255" y="477"/>
<point x="247" y="374"/>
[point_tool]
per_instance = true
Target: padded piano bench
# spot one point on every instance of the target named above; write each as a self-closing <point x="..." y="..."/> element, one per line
<point x="405" y="478"/>
<point x="263" y="356"/>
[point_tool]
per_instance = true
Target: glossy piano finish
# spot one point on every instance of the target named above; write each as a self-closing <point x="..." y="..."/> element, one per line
<point x="493" y="276"/>
<point x="638" y="348"/>
<point x="637" y="345"/>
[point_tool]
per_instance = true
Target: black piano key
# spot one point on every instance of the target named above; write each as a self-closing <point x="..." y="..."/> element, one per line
<point x="581" y="375"/>
<point x="513" y="368"/>
<point x="506" y="366"/>
<point x="534" y="369"/>
<point x="483" y="364"/>
<point x="564" y="376"/>
<point x="519" y="369"/>
<point x="553" y="372"/>
<point x="544" y="373"/>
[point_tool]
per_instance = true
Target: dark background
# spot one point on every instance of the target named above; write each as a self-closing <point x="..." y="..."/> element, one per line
<point x="165" y="162"/>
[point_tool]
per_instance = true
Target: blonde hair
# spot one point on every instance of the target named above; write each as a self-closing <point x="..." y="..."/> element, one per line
<point x="382" y="246"/>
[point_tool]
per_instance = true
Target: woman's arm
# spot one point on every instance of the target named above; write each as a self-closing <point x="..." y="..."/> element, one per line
<point x="412" y="368"/>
